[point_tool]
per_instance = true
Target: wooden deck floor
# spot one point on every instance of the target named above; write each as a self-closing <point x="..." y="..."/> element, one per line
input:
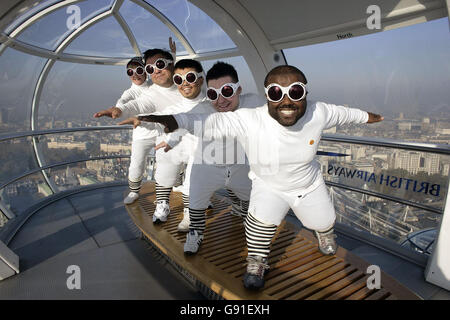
<point x="297" y="269"/>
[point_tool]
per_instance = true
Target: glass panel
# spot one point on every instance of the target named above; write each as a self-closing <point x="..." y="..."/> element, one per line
<point x="22" y="194"/>
<point x="73" y="146"/>
<point x="385" y="219"/>
<point x="402" y="74"/>
<point x="17" y="157"/>
<point x="148" y="30"/>
<point x="420" y="177"/>
<point x="245" y="76"/>
<point x="18" y="73"/>
<point x="200" y="30"/>
<point x="28" y="13"/>
<point x="50" y="30"/>
<point x="74" y="92"/>
<point x="105" y="39"/>
<point x="90" y="172"/>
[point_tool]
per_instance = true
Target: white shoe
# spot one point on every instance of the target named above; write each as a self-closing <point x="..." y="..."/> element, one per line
<point x="131" y="197"/>
<point x="178" y="188"/>
<point x="161" y="212"/>
<point x="183" y="226"/>
<point x="193" y="242"/>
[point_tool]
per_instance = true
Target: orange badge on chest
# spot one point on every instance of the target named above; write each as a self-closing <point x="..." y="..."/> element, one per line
<point x="311" y="142"/>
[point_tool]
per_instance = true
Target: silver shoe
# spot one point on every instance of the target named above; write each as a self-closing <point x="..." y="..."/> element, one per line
<point x="257" y="267"/>
<point x="327" y="245"/>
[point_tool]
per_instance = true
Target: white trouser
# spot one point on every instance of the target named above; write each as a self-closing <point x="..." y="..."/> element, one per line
<point x="205" y="179"/>
<point x="169" y="165"/>
<point x="314" y="209"/>
<point x="140" y="149"/>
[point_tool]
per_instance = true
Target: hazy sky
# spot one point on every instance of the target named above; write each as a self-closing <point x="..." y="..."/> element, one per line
<point x="403" y="70"/>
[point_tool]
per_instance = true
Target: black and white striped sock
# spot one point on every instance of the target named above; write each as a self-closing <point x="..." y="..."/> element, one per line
<point x="244" y="208"/>
<point x="162" y="193"/>
<point x="259" y="236"/>
<point x="197" y="220"/>
<point x="134" y="186"/>
<point x="185" y="200"/>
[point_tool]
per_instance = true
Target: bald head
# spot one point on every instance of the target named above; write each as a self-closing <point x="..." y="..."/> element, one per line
<point x="282" y="70"/>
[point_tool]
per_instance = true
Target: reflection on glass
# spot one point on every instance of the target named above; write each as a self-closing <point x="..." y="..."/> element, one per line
<point x="73" y="92"/>
<point x="104" y="39"/>
<point x="245" y="76"/>
<point x="420" y="177"/>
<point x="71" y="146"/>
<point x="201" y="31"/>
<point x="402" y="74"/>
<point x="16" y="158"/>
<point x="421" y="241"/>
<point x="89" y="172"/>
<point x="18" y="73"/>
<point x="385" y="219"/>
<point x="49" y="31"/>
<point x="22" y="194"/>
<point x="28" y="13"/>
<point x="148" y="30"/>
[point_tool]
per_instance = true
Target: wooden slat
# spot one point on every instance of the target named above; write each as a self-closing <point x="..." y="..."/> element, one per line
<point x="297" y="269"/>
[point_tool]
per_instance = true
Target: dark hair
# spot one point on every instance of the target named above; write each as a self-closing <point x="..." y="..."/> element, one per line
<point x="222" y="69"/>
<point x="282" y="70"/>
<point x="189" y="63"/>
<point x="153" y="52"/>
<point x="136" y="61"/>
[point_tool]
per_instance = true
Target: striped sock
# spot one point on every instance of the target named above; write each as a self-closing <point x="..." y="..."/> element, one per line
<point x="235" y="203"/>
<point x="185" y="198"/>
<point x="162" y="193"/>
<point x="244" y="208"/>
<point x="135" y="186"/>
<point x="259" y="236"/>
<point x="197" y="218"/>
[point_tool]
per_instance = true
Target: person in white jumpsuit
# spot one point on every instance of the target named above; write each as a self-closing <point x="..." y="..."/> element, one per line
<point x="161" y="95"/>
<point x="143" y="136"/>
<point x="217" y="163"/>
<point x="280" y="139"/>
<point x="175" y="151"/>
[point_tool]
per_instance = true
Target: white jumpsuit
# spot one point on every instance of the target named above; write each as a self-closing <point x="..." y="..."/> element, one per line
<point x="218" y="163"/>
<point x="284" y="172"/>
<point x="144" y="136"/>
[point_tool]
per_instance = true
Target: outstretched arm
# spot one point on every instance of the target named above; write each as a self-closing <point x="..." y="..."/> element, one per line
<point x="134" y="121"/>
<point x="168" y="121"/>
<point x="112" y="112"/>
<point x="373" y="117"/>
<point x="173" y="48"/>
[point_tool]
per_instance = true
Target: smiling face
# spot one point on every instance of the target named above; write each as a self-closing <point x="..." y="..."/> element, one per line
<point x="162" y="77"/>
<point x="224" y="104"/>
<point x="135" y="78"/>
<point x="286" y="111"/>
<point x="189" y="90"/>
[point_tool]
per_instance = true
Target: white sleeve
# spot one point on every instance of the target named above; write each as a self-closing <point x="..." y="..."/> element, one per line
<point x="126" y="96"/>
<point x="340" y="115"/>
<point x="143" y="104"/>
<point x="213" y="126"/>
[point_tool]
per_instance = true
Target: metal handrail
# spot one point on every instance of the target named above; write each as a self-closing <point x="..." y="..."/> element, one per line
<point x="388" y="143"/>
<point x="377" y="142"/>
<point x="34" y="133"/>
